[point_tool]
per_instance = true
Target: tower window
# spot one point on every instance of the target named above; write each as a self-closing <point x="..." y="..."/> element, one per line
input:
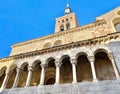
<point x="117" y="27"/>
<point x="67" y="19"/>
<point x="61" y="28"/>
<point x="63" y="21"/>
<point x="68" y="26"/>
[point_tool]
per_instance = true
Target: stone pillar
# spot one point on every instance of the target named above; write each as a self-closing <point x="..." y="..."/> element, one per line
<point x="91" y="59"/>
<point x="17" y="78"/>
<point x="58" y="65"/>
<point x="42" y="74"/>
<point x="5" y="80"/>
<point x="114" y="66"/>
<point x="30" y="69"/>
<point x="73" y="62"/>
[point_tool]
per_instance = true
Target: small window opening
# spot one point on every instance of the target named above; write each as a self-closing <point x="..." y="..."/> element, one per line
<point x="62" y="28"/>
<point x="68" y="26"/>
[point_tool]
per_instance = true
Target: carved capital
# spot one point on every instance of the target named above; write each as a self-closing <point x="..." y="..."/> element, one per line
<point x="110" y="55"/>
<point x="30" y="68"/>
<point x="91" y="58"/>
<point x="8" y="72"/>
<point x="57" y="63"/>
<point x="73" y="61"/>
<point x="43" y="65"/>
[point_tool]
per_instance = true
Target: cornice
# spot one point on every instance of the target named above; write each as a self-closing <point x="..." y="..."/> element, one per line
<point x="97" y="40"/>
<point x="77" y="29"/>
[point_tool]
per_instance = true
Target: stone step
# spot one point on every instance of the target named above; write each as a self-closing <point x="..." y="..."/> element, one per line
<point x="101" y="87"/>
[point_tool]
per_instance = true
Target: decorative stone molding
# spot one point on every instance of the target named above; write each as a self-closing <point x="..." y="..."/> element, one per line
<point x="91" y="58"/>
<point x="62" y="47"/>
<point x="73" y="61"/>
<point x="58" y="64"/>
<point x="110" y="55"/>
<point x="30" y="68"/>
<point x="85" y="27"/>
<point x="43" y="65"/>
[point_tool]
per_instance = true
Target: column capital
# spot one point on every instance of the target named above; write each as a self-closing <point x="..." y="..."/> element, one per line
<point x="91" y="58"/>
<point x="73" y="61"/>
<point x="43" y="65"/>
<point x="30" y="68"/>
<point x="110" y="55"/>
<point x="8" y="72"/>
<point x="58" y="64"/>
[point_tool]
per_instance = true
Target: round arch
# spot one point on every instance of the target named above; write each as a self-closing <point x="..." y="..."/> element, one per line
<point x="116" y="23"/>
<point x="103" y="66"/>
<point x="65" y="70"/>
<point x="47" y="45"/>
<point x="36" y="73"/>
<point x="50" y="71"/>
<point x="101" y="49"/>
<point x="83" y="68"/>
<point x="13" y="73"/>
<point x="23" y="74"/>
<point x="58" y="42"/>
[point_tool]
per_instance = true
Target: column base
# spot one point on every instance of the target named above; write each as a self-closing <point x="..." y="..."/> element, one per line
<point x="13" y="87"/>
<point x="56" y="83"/>
<point x="26" y="86"/>
<point x="95" y="80"/>
<point x="74" y="82"/>
<point x="1" y="90"/>
<point x="118" y="78"/>
<point x="41" y="85"/>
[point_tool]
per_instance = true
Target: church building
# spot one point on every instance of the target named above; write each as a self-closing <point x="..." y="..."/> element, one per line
<point x="74" y="60"/>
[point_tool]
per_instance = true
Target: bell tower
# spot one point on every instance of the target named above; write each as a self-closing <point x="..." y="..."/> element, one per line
<point x="66" y="22"/>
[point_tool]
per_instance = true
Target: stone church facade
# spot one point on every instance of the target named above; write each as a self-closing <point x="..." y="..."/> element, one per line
<point x="74" y="60"/>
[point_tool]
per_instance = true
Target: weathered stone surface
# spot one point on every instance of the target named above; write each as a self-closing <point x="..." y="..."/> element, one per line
<point x="115" y="47"/>
<point x="101" y="87"/>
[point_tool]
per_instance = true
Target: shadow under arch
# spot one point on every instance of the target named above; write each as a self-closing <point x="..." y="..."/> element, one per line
<point x="36" y="73"/>
<point x="23" y="75"/>
<point x="13" y="70"/>
<point x="50" y="73"/>
<point x="83" y="68"/>
<point x="66" y="70"/>
<point x="2" y="74"/>
<point x="103" y="66"/>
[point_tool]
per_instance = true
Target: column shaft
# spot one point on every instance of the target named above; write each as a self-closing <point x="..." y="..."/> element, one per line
<point x="16" y="78"/>
<point x="58" y="65"/>
<point x="42" y="74"/>
<point x="73" y="62"/>
<point x="93" y="71"/>
<point x="5" y="80"/>
<point x="29" y="76"/>
<point x="115" y="69"/>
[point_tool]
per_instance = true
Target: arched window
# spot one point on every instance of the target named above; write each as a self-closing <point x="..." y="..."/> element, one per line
<point x="68" y="26"/>
<point x="117" y="27"/>
<point x="61" y="28"/>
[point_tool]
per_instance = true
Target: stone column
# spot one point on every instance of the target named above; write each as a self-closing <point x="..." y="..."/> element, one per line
<point x="30" y="69"/>
<point x="6" y="80"/>
<point x="58" y="65"/>
<point x="42" y="74"/>
<point x="91" y="59"/>
<point x="114" y="66"/>
<point x="17" y="78"/>
<point x="73" y="62"/>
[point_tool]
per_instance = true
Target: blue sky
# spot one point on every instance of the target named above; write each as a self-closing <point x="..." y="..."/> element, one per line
<point x="22" y="20"/>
